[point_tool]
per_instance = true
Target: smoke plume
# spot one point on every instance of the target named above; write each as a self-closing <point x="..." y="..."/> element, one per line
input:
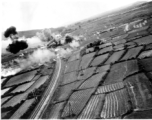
<point x="34" y="42"/>
<point x="39" y="57"/>
<point x="63" y="52"/>
<point x="74" y="44"/>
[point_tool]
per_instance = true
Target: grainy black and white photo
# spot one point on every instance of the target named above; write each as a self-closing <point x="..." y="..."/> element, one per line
<point x="76" y="59"/>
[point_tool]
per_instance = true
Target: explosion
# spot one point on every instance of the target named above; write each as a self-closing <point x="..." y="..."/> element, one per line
<point x="37" y="58"/>
<point x="40" y="56"/>
<point x="16" y="45"/>
<point x="10" y="71"/>
<point x="63" y="53"/>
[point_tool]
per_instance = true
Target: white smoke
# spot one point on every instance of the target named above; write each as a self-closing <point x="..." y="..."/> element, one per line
<point x="10" y="71"/>
<point x="4" y="45"/>
<point x="74" y="44"/>
<point x="34" y="42"/>
<point x="63" y="52"/>
<point x="62" y="41"/>
<point x="39" y="57"/>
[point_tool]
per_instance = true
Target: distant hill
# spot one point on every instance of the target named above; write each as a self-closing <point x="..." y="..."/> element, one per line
<point x="116" y="12"/>
<point x="28" y="33"/>
<point x="31" y="33"/>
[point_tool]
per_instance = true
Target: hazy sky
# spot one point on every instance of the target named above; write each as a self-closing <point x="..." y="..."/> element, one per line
<point x="39" y="14"/>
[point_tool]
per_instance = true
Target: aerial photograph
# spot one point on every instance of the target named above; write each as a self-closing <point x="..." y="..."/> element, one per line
<point x="76" y="59"/>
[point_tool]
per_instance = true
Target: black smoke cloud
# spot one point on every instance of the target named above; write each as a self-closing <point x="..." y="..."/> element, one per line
<point x="68" y="39"/>
<point x="16" y="46"/>
<point x="9" y="31"/>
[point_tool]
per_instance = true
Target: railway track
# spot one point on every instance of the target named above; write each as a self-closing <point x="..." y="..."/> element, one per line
<point x="40" y="108"/>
